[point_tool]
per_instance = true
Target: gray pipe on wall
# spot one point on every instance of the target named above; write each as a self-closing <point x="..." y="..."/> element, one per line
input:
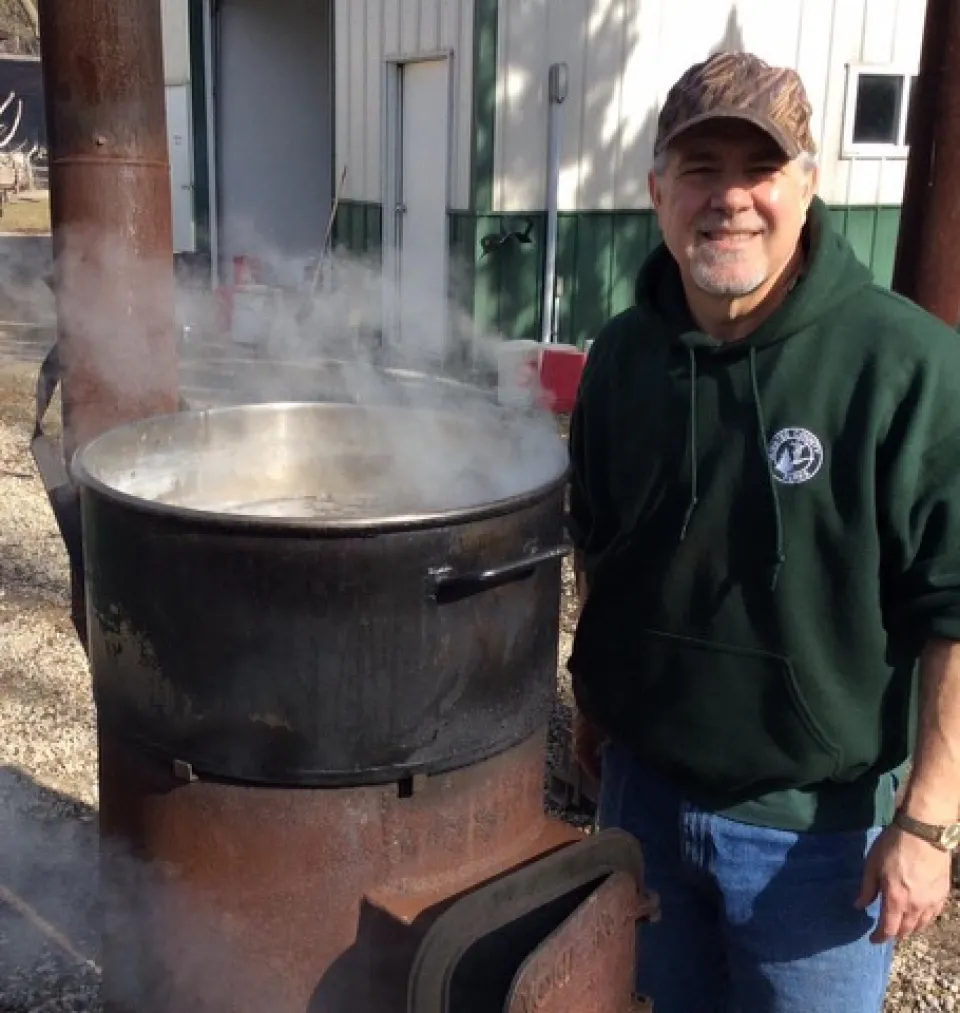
<point x="557" y="93"/>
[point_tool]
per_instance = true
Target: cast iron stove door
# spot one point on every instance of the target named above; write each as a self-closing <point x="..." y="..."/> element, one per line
<point x="554" y="937"/>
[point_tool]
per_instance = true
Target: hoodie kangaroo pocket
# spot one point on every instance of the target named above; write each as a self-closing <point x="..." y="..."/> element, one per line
<point x="730" y="718"/>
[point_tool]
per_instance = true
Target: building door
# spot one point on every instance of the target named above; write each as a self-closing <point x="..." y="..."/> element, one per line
<point x="181" y="167"/>
<point x="422" y="115"/>
<point x="274" y="84"/>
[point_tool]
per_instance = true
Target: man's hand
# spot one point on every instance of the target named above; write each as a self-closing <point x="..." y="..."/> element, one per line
<point x="587" y="740"/>
<point x="912" y="878"/>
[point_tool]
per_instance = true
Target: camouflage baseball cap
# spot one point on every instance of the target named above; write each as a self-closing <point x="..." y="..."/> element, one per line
<point x="739" y="86"/>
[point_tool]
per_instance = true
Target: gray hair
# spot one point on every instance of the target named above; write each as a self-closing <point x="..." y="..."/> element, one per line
<point x="806" y="160"/>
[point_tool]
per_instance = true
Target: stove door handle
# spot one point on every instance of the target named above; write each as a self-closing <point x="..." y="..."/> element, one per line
<point x="445" y="584"/>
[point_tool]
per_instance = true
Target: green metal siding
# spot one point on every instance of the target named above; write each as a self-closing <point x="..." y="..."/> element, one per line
<point x="484" y="113"/>
<point x="872" y="232"/>
<point x="597" y="259"/>
<point x="198" y="113"/>
<point x="357" y="227"/>
<point x="598" y="256"/>
<point x="462" y="241"/>
<point x="507" y="289"/>
<point x="479" y="285"/>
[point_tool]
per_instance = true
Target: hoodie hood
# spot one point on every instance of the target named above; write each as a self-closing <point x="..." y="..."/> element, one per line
<point x="831" y="275"/>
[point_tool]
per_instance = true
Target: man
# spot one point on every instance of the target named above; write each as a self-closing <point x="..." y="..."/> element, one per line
<point x="765" y="504"/>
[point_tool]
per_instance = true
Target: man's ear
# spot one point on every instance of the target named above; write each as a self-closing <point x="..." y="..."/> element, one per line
<point x="813" y="184"/>
<point x="653" y="185"/>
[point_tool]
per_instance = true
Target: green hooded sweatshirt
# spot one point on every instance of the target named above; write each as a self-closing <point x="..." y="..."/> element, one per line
<point x="771" y="531"/>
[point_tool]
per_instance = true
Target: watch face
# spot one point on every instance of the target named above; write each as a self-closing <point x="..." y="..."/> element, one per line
<point x="951" y="836"/>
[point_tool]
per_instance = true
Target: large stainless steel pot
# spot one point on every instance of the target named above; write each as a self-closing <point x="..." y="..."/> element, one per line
<point x="217" y="379"/>
<point x="323" y="594"/>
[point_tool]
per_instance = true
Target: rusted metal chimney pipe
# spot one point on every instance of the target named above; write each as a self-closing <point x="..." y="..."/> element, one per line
<point x="927" y="266"/>
<point x="110" y="201"/>
<point x="111" y="212"/>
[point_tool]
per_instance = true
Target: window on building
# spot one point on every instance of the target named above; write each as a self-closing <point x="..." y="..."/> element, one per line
<point x="876" y="112"/>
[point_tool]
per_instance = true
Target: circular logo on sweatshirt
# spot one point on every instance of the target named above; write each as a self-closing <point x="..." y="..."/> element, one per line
<point x="796" y="456"/>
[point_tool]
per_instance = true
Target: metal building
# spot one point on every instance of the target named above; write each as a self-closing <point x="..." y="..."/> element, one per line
<point x="438" y="111"/>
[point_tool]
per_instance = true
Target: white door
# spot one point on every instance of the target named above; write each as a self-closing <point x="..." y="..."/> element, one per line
<point x="422" y="205"/>
<point x="181" y="167"/>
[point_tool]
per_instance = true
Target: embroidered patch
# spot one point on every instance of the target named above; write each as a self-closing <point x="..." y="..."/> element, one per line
<point x="796" y="455"/>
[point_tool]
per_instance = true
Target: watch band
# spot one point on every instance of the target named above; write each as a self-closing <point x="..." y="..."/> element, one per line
<point x="929" y="832"/>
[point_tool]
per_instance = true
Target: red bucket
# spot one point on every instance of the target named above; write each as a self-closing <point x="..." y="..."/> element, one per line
<point x="561" y="367"/>
<point x="246" y="270"/>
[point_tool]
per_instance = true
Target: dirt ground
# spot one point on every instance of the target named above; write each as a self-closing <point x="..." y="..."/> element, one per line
<point x="27" y="213"/>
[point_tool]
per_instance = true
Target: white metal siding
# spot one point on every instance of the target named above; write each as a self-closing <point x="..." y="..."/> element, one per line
<point x="623" y="55"/>
<point x="368" y="32"/>
<point x="176" y="44"/>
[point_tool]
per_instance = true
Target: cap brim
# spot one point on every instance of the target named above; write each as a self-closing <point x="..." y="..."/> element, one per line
<point x="787" y="144"/>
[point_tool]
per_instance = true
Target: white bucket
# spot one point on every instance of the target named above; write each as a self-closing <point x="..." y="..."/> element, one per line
<point x="255" y="312"/>
<point x="518" y="372"/>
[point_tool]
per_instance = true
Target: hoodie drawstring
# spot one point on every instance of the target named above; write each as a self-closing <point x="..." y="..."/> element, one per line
<point x="693" y="445"/>
<point x="763" y="441"/>
<point x="780" y="557"/>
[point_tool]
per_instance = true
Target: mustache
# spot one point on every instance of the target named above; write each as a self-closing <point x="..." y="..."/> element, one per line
<point x="714" y="223"/>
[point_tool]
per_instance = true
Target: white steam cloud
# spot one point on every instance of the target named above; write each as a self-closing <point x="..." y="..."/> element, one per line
<point x="454" y="416"/>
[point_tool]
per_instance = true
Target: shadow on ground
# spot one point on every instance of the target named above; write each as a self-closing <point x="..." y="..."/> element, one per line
<point x="48" y="898"/>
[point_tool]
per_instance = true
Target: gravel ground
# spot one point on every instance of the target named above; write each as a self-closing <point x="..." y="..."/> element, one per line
<point x="47" y="739"/>
<point x="48" y="949"/>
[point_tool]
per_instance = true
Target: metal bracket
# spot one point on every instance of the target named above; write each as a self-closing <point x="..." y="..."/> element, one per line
<point x="183" y="771"/>
<point x="410" y="786"/>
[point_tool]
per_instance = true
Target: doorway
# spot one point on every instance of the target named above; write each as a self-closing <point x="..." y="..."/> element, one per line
<point x="274" y="109"/>
<point x="418" y="119"/>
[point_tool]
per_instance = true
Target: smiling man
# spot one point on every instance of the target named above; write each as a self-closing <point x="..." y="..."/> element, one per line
<point x="765" y="502"/>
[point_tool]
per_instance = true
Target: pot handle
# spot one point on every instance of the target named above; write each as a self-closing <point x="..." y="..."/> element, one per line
<point x="445" y="584"/>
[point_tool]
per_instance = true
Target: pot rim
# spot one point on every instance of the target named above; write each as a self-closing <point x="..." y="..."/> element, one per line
<point x="266" y="524"/>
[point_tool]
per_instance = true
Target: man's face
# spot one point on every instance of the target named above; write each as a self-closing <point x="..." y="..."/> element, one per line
<point x="731" y="206"/>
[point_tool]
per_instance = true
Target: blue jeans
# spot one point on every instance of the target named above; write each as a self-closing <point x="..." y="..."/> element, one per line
<point x="754" y="920"/>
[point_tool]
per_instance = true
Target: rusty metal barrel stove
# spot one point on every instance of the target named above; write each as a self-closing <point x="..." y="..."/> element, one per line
<point x="323" y="647"/>
<point x="322" y="642"/>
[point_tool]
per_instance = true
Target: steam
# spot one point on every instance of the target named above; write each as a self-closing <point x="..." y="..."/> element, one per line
<point x="75" y="911"/>
<point x="455" y="416"/>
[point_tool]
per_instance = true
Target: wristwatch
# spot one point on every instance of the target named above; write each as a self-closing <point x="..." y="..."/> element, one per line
<point x="946" y="838"/>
